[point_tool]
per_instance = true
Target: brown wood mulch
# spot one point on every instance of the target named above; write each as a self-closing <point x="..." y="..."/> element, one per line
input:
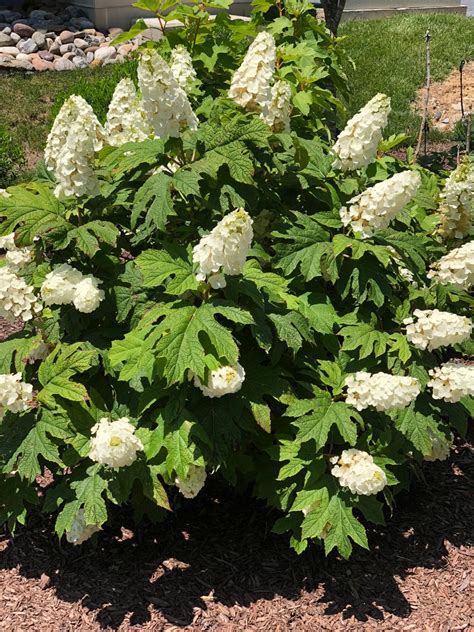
<point x="215" y="566"/>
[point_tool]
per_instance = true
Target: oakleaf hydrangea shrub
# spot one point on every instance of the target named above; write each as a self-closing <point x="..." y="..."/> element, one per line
<point x="212" y="287"/>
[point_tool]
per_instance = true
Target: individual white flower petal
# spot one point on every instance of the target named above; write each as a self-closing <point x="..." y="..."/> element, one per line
<point x="452" y="381"/>
<point x="222" y="381"/>
<point x="276" y="112"/>
<point x="15" y="395"/>
<point x="114" y="443"/>
<point x="457" y="202"/>
<point x="382" y="391"/>
<point x="455" y="268"/>
<point x="80" y="531"/>
<point x="17" y="299"/>
<point x="87" y="295"/>
<point x="356" y="470"/>
<point x="357" y="144"/>
<point x="193" y="483"/>
<point x="431" y="328"/>
<point x="376" y="207"/>
<point x="250" y="85"/>
<point x="182" y="66"/>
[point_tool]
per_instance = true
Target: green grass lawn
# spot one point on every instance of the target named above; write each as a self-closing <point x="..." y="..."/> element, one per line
<point x="389" y="55"/>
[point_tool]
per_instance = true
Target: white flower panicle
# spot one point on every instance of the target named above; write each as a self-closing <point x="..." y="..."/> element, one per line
<point x="65" y="286"/>
<point x="440" y="448"/>
<point x="452" y="381"/>
<point x="356" y="470"/>
<point x="455" y="268"/>
<point x="126" y="119"/>
<point x="457" y="202"/>
<point x="114" y="443"/>
<point x="225" y="249"/>
<point x="383" y="391"/>
<point x="277" y="111"/>
<point x="222" y="381"/>
<point x="250" y="85"/>
<point x="375" y="208"/>
<point x="190" y="486"/>
<point x="431" y="329"/>
<point x="182" y="66"/>
<point x="15" y="257"/>
<point x="7" y="242"/>
<point x="80" y="531"/>
<point x="17" y="299"/>
<point x="74" y="139"/>
<point x="165" y="102"/>
<point x="15" y="395"/>
<point x="357" y="144"/>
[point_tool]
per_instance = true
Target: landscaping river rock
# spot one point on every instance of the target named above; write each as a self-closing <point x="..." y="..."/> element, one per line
<point x="65" y="40"/>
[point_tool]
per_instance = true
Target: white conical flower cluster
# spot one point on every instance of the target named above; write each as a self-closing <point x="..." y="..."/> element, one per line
<point x="375" y="208"/>
<point x="250" y="85"/>
<point x="16" y="258"/>
<point x="357" y="144"/>
<point x="222" y="381"/>
<point x="165" y="102"/>
<point x="455" y="268"/>
<point x="225" y="249"/>
<point x="356" y="470"/>
<point x="114" y="443"/>
<point x="80" y="531"/>
<point x="126" y="119"/>
<point x="65" y="286"/>
<point x="457" y="202"/>
<point x="431" y="328"/>
<point x="440" y="447"/>
<point x="276" y="112"/>
<point x="182" y="66"/>
<point x="15" y="395"/>
<point x="193" y="483"/>
<point x="383" y="391"/>
<point x="17" y="299"/>
<point x="452" y="381"/>
<point x="74" y="139"/>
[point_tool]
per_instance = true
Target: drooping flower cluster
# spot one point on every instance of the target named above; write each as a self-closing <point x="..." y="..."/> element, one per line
<point x="225" y="249"/>
<point x="17" y="299"/>
<point x="190" y="486"/>
<point x="357" y="144"/>
<point x="126" y="119"/>
<point x="250" y="85"/>
<point x="356" y="470"/>
<point x="452" y="381"/>
<point x="182" y="66"/>
<point x="222" y="381"/>
<point x="457" y="202"/>
<point x="114" y="443"/>
<point x="165" y="102"/>
<point x="16" y="258"/>
<point x="440" y="448"/>
<point x="15" y="395"/>
<point x="375" y="208"/>
<point x="431" y="328"/>
<point x="74" y="139"/>
<point x="455" y="268"/>
<point x="80" y="531"/>
<point x="383" y="391"/>
<point x="277" y="110"/>
<point x="65" y="285"/>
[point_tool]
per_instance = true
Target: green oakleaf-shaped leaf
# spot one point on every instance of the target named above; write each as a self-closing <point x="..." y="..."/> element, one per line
<point x="416" y="427"/>
<point x="89" y="492"/>
<point x="366" y="338"/>
<point x="14" y="351"/>
<point x="154" y="200"/>
<point x="169" y="267"/>
<point x="17" y="495"/>
<point x="132" y="155"/>
<point x="88" y="236"/>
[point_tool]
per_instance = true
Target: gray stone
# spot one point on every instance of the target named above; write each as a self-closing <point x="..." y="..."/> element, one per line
<point x="105" y="53"/>
<point x="40" y="39"/>
<point x="6" y="29"/>
<point x="81" y="23"/>
<point x="23" y="30"/>
<point x="23" y="57"/>
<point x="89" y="57"/>
<point x="114" y="31"/>
<point x="80" y="62"/>
<point x="46" y="55"/>
<point x="70" y="55"/>
<point x="80" y="53"/>
<point x="9" y="50"/>
<point x="6" y="40"/>
<point x="5" y="60"/>
<point x="38" y="14"/>
<point x="80" y="43"/>
<point x="21" y="64"/>
<point x="55" y="46"/>
<point x="63" y="64"/>
<point x="67" y="48"/>
<point x="27" y="46"/>
<point x="15" y="37"/>
<point x="67" y="37"/>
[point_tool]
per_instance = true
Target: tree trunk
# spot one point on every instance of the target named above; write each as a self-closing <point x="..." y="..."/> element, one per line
<point x="332" y="13"/>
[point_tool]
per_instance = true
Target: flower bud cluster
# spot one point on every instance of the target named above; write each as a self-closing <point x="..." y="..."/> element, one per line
<point x="431" y="329"/>
<point x="114" y="443"/>
<point x="356" y="470"/>
<point x="65" y="285"/>
<point x="222" y="381"/>
<point x="375" y="208"/>
<point x="17" y="299"/>
<point x="225" y="249"/>
<point x="457" y="202"/>
<point x="357" y="144"/>
<point x="250" y="85"/>
<point x="182" y="66"/>
<point x="15" y="395"/>
<point x="382" y="391"/>
<point x="455" y="268"/>
<point x="190" y="486"/>
<point x="16" y="258"/>
<point x="452" y="381"/>
<point x="277" y="110"/>
<point x="126" y="119"/>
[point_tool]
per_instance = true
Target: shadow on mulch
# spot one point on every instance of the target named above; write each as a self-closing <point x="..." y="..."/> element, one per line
<point x="219" y="550"/>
